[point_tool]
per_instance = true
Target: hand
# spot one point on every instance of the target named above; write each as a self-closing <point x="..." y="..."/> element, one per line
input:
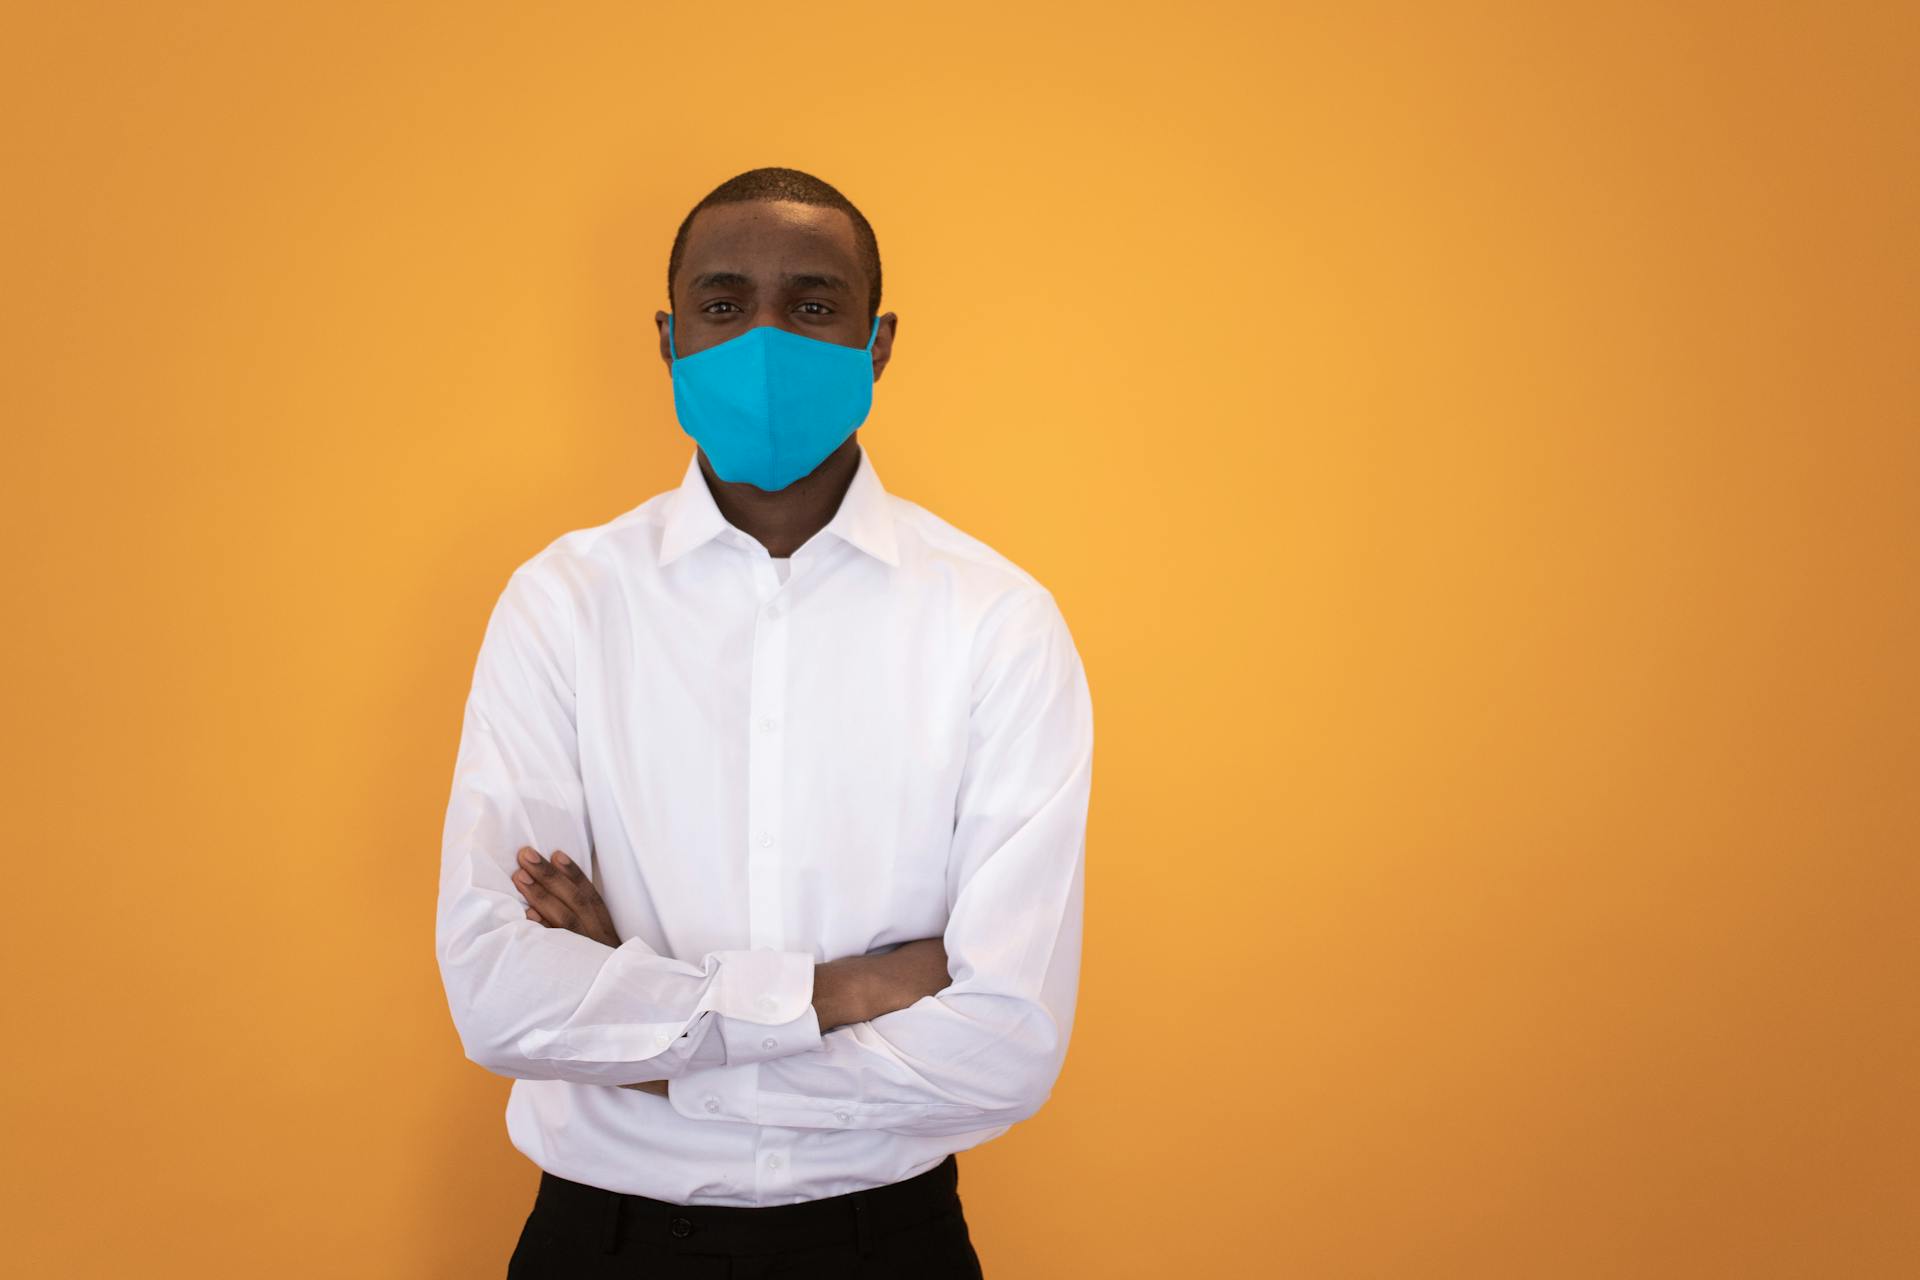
<point x="560" y="896"/>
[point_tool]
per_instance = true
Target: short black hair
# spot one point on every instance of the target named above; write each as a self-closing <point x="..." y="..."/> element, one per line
<point x="786" y="184"/>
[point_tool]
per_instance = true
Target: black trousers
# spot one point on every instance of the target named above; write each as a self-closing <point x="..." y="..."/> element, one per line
<point x="911" y="1229"/>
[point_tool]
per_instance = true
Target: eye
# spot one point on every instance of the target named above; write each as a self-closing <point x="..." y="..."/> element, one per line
<point x="721" y="302"/>
<point x="824" y="310"/>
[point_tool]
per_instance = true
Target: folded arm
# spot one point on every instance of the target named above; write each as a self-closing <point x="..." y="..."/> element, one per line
<point x="549" y="1004"/>
<point x="984" y="1051"/>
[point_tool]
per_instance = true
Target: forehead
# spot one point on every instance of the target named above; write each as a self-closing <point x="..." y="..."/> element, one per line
<point x="771" y="236"/>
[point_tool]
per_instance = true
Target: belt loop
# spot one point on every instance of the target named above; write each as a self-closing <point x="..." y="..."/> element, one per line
<point x="862" y="1224"/>
<point x="611" y="1235"/>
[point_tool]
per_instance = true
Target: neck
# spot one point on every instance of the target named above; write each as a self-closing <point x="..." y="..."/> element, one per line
<point x="781" y="520"/>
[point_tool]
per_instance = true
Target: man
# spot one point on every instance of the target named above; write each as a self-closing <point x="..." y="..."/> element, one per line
<point x="762" y="874"/>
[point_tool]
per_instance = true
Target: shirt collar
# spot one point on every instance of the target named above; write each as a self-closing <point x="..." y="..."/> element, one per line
<point x="864" y="518"/>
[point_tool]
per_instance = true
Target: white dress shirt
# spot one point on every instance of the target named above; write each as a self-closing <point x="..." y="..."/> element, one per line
<point x="892" y="739"/>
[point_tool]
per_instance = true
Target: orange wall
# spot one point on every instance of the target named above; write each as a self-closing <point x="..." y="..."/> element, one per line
<point x="1476" y="452"/>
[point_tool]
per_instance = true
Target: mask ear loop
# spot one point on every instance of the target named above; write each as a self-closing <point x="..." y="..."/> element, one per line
<point x="874" y="334"/>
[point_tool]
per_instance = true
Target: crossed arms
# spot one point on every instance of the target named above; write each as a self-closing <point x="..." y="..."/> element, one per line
<point x="852" y="989"/>
<point x="967" y="1038"/>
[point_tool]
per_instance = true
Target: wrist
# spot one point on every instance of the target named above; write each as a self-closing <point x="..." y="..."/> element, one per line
<point x="842" y="992"/>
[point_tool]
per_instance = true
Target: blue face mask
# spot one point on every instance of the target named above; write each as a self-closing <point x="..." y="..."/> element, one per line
<point x="768" y="406"/>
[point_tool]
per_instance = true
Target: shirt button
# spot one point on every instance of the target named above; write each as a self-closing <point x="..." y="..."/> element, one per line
<point x="773" y="610"/>
<point x="767" y="723"/>
<point x="841" y="1116"/>
<point x="769" y="1043"/>
<point x="680" y="1227"/>
<point x="773" y="1162"/>
<point x="766" y="838"/>
<point x="767" y="1003"/>
<point x="712" y="1103"/>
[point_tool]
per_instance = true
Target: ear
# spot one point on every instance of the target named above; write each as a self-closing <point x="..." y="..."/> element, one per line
<point x="666" y="350"/>
<point x="883" y="343"/>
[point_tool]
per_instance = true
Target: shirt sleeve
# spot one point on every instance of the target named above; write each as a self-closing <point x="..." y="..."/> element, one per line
<point x="985" y="1051"/>
<point x="539" y="1003"/>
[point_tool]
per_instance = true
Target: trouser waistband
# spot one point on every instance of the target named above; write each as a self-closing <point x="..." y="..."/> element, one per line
<point x="595" y="1215"/>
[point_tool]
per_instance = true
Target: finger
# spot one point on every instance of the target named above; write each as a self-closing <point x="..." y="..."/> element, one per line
<point x="532" y="864"/>
<point x="585" y="893"/>
<point x="525" y="862"/>
<point x="571" y="870"/>
<point x="553" y="908"/>
<point x="525" y="859"/>
<point x="569" y="885"/>
<point x="553" y="911"/>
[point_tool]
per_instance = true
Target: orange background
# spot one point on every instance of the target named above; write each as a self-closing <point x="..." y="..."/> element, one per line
<point x="1476" y="452"/>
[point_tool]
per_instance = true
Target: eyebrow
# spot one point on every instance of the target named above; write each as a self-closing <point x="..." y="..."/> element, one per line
<point x="813" y="280"/>
<point x="738" y="280"/>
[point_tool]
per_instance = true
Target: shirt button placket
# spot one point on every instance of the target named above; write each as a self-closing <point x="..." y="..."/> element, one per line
<point x="766" y="780"/>
<point x="766" y="764"/>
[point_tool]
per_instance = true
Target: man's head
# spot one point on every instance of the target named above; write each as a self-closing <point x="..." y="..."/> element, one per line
<point x="774" y="246"/>
<point x="795" y="187"/>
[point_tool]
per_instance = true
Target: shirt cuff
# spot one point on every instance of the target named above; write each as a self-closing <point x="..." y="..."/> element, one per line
<point x="762" y="986"/>
<point x="733" y="1093"/>
<point x="763" y="1009"/>
<point x="717" y="1093"/>
<point x="756" y="1041"/>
